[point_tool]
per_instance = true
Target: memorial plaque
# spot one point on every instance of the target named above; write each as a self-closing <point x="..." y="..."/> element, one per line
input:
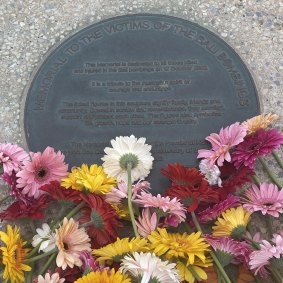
<point x="163" y="78"/>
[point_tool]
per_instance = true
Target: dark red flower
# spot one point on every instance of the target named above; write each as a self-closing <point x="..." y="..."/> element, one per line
<point x="33" y="209"/>
<point x="261" y="143"/>
<point x="189" y="185"/>
<point x="57" y="192"/>
<point x="103" y="218"/>
<point x="70" y="274"/>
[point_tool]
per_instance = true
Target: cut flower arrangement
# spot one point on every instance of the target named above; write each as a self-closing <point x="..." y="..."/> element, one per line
<point x="109" y="227"/>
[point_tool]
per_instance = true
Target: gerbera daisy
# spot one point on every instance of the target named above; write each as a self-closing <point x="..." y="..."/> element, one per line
<point x="222" y="143"/>
<point x="147" y="222"/>
<point x="117" y="250"/>
<point x="45" y="238"/>
<point x="212" y="173"/>
<point x="175" y="245"/>
<point x="70" y="241"/>
<point x="105" y="276"/>
<point x="102" y="219"/>
<point x="212" y="213"/>
<point x="13" y="255"/>
<point x="92" y="178"/>
<point x="266" y="198"/>
<point x="12" y="157"/>
<point x="149" y="267"/>
<point x="48" y="278"/>
<point x="261" y="143"/>
<point x="72" y="181"/>
<point x="232" y="223"/>
<point x="41" y="170"/>
<point x="125" y="150"/>
<point x="89" y="263"/>
<point x="166" y="205"/>
<point x="259" y="122"/>
<point x="20" y="209"/>
<point x="57" y="192"/>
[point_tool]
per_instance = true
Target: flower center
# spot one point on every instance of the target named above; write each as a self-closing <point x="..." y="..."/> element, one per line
<point x="41" y="173"/>
<point x="65" y="246"/>
<point x="128" y="158"/>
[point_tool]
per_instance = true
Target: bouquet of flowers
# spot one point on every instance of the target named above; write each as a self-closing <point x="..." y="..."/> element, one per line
<point x="101" y="223"/>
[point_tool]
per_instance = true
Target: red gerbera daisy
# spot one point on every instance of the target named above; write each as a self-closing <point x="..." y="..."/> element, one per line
<point x="261" y="143"/>
<point x="102" y="218"/>
<point x="57" y="192"/>
<point x="70" y="274"/>
<point x="32" y="209"/>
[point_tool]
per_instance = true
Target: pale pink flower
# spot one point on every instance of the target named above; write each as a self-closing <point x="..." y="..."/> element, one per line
<point x="222" y="143"/>
<point x="169" y="206"/>
<point x="267" y="199"/>
<point x="147" y="222"/>
<point x="259" y="259"/>
<point x="48" y="278"/>
<point x="12" y="157"/>
<point x="215" y="211"/>
<point x="41" y="170"/>
<point x="116" y="195"/>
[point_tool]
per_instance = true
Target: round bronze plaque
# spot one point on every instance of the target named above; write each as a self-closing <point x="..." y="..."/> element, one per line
<point x="163" y="78"/>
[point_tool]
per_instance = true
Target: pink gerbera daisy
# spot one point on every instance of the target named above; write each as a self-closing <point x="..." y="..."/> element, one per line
<point x="12" y="157"/>
<point x="267" y="199"/>
<point x="41" y="170"/>
<point x="222" y="143"/>
<point x="147" y="222"/>
<point x="237" y="251"/>
<point x="259" y="259"/>
<point x="261" y="143"/>
<point x="215" y="211"/>
<point x="170" y="207"/>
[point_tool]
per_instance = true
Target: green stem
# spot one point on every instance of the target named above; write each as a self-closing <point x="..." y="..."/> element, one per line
<point x="257" y="280"/>
<point x="5" y="198"/>
<point x="219" y="277"/>
<point x="270" y="173"/>
<point x="34" y="251"/>
<point x="195" y="275"/>
<point x="213" y="255"/>
<point x="130" y="205"/>
<point x="30" y="274"/>
<point x="38" y="257"/>
<point x="276" y="275"/>
<point x="1" y="274"/>
<point x="277" y="158"/>
<point x="86" y="224"/>
<point x="59" y="217"/>
<point x="256" y="180"/>
<point x="47" y="264"/>
<point x="269" y="224"/>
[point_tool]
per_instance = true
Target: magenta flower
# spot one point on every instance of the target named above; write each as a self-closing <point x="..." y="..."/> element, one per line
<point x="222" y="143"/>
<point x="147" y="222"/>
<point x="167" y="206"/>
<point x="215" y="211"/>
<point x="41" y="170"/>
<point x="267" y="199"/>
<point x="89" y="263"/>
<point x="239" y="251"/>
<point x="261" y="143"/>
<point x="12" y="157"/>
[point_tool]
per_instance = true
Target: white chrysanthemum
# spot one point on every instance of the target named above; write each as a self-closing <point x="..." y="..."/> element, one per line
<point x="149" y="266"/>
<point x="125" y="150"/>
<point x="45" y="237"/>
<point x="54" y="278"/>
<point x="212" y="173"/>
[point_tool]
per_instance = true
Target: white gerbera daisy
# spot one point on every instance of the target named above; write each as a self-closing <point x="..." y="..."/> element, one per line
<point x="212" y="173"/>
<point x="125" y="151"/>
<point x="45" y="237"/>
<point x="148" y="266"/>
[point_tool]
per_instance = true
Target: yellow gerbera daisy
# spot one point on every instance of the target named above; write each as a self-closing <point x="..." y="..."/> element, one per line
<point x="259" y="122"/>
<point x="14" y="255"/>
<point x="178" y="245"/>
<point x="122" y="211"/>
<point x="104" y="276"/>
<point x="232" y="222"/>
<point x="121" y="247"/>
<point x="190" y="273"/>
<point x="92" y="178"/>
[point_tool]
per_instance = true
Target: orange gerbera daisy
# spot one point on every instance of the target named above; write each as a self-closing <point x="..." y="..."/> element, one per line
<point x="70" y="241"/>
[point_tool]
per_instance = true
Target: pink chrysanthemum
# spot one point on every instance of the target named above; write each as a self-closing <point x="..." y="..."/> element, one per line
<point x="41" y="170"/>
<point x="215" y="211"/>
<point x="267" y="199"/>
<point x="147" y="222"/>
<point x="239" y="251"/>
<point x="117" y="194"/>
<point x="171" y="207"/>
<point x="261" y="143"/>
<point x="12" y="157"/>
<point x="222" y="143"/>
